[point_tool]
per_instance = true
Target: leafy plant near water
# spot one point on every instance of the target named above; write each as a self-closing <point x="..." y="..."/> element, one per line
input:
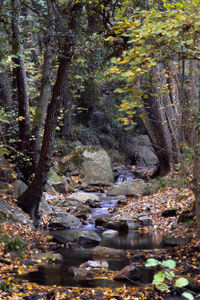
<point x="163" y="278"/>
<point x="13" y="244"/>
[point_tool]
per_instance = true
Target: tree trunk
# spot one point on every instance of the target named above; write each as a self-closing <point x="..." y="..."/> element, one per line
<point x="5" y="95"/>
<point x="29" y="201"/>
<point x="45" y="91"/>
<point x="21" y="79"/>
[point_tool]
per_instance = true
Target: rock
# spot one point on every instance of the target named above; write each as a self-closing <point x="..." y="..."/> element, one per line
<point x="138" y="258"/>
<point x="6" y="170"/>
<point x="119" y="225"/>
<point x="108" y="253"/>
<point x="169" y="213"/>
<point x="60" y="187"/>
<point x="49" y="257"/>
<point x="138" y="149"/>
<point x="186" y="216"/>
<point x="145" y="173"/>
<point x="110" y="233"/>
<point x="97" y="166"/>
<point x="14" y="212"/>
<point x="83" y="273"/>
<point x="92" y="162"/>
<point x="145" y="221"/>
<point x="93" y="203"/>
<point x="135" y="187"/>
<point x="134" y="274"/>
<point x="171" y="240"/>
<point x="82" y="211"/>
<point x="81" y="237"/>
<point x="96" y="264"/>
<point x="83" y="197"/>
<point x="45" y="208"/>
<point x="64" y="220"/>
<point x="19" y="188"/>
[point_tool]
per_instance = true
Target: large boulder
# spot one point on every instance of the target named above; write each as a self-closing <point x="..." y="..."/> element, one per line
<point x="97" y="166"/>
<point x="135" y="187"/>
<point x="139" y="150"/>
<point x="92" y="162"/>
<point x="14" y="212"/>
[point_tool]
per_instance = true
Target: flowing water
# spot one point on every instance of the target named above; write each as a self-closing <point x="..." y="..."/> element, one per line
<point x="60" y="274"/>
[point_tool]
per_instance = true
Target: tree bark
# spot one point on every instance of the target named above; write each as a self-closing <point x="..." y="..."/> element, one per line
<point x="5" y="95"/>
<point x="29" y="201"/>
<point x="45" y="90"/>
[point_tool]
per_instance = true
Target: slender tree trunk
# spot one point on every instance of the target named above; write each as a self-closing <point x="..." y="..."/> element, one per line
<point x="45" y="90"/>
<point x="29" y="201"/>
<point x="21" y="79"/>
<point x="5" y="95"/>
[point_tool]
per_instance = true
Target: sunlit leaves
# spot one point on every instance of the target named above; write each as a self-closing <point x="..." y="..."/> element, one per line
<point x="181" y="282"/>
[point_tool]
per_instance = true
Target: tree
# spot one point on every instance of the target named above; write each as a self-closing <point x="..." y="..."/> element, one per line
<point x="29" y="201"/>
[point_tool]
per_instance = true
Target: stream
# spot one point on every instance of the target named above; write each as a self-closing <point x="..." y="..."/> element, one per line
<point x="60" y="273"/>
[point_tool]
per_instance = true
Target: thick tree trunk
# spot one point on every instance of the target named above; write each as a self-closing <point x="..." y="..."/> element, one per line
<point x="196" y="177"/>
<point x="30" y="200"/>
<point x="45" y="91"/>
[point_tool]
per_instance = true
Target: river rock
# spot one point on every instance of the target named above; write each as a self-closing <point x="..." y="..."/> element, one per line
<point x="19" y="188"/>
<point x="93" y="203"/>
<point x="83" y="197"/>
<point x="134" y="274"/>
<point x="49" y="257"/>
<point x="108" y="253"/>
<point x="171" y="240"/>
<point x="61" y="187"/>
<point x="135" y="187"/>
<point x="64" y="220"/>
<point x="81" y="237"/>
<point x="84" y="273"/>
<point x="110" y="233"/>
<point x="96" y="264"/>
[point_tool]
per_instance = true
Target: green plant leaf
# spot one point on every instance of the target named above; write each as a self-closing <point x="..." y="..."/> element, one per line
<point x="171" y="264"/>
<point x="151" y="262"/>
<point x="181" y="282"/>
<point x="163" y="287"/>
<point x="159" y="277"/>
<point x="169" y="274"/>
<point x="188" y="296"/>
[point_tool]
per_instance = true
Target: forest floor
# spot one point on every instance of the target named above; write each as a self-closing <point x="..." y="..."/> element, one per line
<point x="187" y="257"/>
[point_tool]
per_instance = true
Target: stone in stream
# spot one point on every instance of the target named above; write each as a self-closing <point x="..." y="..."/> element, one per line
<point x="83" y="197"/>
<point x="134" y="274"/>
<point x="110" y="233"/>
<point x="108" y="253"/>
<point x="171" y="240"/>
<point x="64" y="221"/>
<point x="81" y="237"/>
<point x="93" y="203"/>
<point x="135" y="187"/>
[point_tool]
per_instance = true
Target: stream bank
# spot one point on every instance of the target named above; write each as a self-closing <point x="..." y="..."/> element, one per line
<point x="42" y="275"/>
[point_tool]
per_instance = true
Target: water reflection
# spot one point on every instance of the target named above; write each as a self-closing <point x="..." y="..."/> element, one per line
<point x="133" y="240"/>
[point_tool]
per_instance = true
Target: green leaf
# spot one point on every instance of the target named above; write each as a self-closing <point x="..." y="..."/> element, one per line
<point x="151" y="262"/>
<point x="159" y="277"/>
<point x="188" y="296"/>
<point x="171" y="264"/>
<point x="169" y="274"/>
<point x="163" y="287"/>
<point x="181" y="282"/>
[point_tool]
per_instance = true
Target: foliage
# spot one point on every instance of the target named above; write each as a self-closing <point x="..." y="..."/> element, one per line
<point x="13" y="244"/>
<point x="165" y="32"/>
<point x="165" y="278"/>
